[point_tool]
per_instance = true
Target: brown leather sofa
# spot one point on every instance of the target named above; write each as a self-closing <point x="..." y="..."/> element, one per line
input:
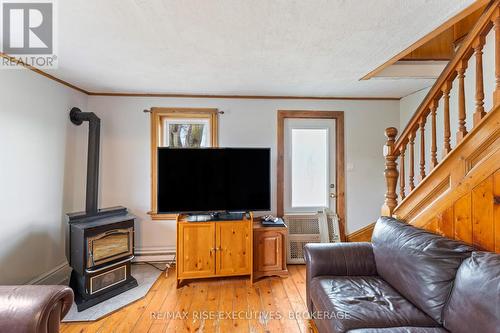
<point x="406" y="281"/>
<point x="33" y="309"/>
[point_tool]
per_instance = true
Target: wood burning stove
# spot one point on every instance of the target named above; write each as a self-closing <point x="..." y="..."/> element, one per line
<point x="101" y="240"/>
<point x="102" y="248"/>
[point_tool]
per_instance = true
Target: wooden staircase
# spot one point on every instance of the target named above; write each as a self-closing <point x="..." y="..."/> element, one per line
<point x="458" y="194"/>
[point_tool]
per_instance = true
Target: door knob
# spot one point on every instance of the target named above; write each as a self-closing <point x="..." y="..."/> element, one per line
<point x="333" y="195"/>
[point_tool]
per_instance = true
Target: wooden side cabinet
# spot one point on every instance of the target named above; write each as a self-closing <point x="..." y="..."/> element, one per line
<point x="213" y="249"/>
<point x="269" y="251"/>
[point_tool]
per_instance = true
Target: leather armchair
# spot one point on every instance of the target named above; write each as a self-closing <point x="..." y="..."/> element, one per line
<point x="337" y="259"/>
<point x="33" y="309"/>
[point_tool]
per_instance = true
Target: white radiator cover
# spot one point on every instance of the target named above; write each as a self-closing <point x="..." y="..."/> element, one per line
<point x="322" y="227"/>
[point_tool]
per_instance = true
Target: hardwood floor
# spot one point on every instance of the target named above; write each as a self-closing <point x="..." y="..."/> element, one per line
<point x="269" y="305"/>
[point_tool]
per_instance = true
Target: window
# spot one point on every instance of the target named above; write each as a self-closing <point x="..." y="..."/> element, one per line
<point x="309" y="167"/>
<point x="179" y="128"/>
<point x="186" y="133"/>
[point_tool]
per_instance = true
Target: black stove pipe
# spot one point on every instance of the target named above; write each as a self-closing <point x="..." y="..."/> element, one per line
<point x="78" y="117"/>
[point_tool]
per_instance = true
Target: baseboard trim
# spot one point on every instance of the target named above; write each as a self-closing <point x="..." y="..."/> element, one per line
<point x="59" y="275"/>
<point x="361" y="235"/>
<point x="155" y="254"/>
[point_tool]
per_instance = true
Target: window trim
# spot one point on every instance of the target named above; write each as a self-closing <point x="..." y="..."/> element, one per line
<point x="158" y="114"/>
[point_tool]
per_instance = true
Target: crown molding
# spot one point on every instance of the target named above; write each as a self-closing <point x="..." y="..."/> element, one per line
<point x="170" y="95"/>
<point x="167" y="95"/>
<point x="39" y="71"/>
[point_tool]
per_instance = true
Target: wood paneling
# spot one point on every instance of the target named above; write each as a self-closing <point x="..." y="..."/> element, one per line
<point x="473" y="218"/>
<point x="153" y="313"/>
<point x="438" y="48"/>
<point x="362" y="235"/>
<point x="340" y="158"/>
<point x="483" y="234"/>
<point x="496" y="209"/>
<point x="428" y="198"/>
<point x="463" y="219"/>
<point x="445" y="225"/>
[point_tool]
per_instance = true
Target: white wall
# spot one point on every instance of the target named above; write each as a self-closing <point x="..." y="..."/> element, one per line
<point x="36" y="139"/>
<point x="125" y="171"/>
<point x="408" y="105"/>
<point x="43" y="162"/>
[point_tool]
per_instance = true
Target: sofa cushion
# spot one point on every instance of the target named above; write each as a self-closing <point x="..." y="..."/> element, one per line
<point x="362" y="301"/>
<point x="418" y="264"/>
<point x="407" y="329"/>
<point x="474" y="305"/>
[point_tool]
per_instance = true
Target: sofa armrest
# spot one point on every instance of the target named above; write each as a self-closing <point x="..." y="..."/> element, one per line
<point x="33" y="309"/>
<point x="341" y="259"/>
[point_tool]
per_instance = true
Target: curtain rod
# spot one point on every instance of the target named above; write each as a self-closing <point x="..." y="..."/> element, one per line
<point x="149" y="111"/>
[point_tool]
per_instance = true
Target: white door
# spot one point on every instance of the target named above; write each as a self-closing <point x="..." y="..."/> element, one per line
<point x="309" y="168"/>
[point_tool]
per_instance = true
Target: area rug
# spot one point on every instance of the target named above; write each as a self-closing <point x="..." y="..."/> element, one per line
<point x="145" y="275"/>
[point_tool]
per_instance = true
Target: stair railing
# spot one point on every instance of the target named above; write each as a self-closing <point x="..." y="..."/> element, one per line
<point x="404" y="147"/>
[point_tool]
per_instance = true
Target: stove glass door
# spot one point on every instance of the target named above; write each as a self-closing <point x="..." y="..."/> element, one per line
<point x="108" y="246"/>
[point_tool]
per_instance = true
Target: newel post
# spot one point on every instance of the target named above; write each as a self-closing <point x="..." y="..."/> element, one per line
<point x="391" y="172"/>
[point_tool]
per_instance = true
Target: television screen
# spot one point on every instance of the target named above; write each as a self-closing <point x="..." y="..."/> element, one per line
<point x="213" y="179"/>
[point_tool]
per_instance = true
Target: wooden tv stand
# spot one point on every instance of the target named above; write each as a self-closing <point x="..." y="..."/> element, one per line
<point x="213" y="248"/>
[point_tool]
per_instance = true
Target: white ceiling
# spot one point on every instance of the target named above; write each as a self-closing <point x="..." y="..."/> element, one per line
<point x="252" y="47"/>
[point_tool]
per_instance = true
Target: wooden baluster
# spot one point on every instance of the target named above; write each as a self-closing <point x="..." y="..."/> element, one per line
<point x="412" y="161"/>
<point x="390" y="172"/>
<point x="462" y="130"/>
<point x="421" y="125"/>
<point x="496" y="22"/>
<point x="478" y="51"/>
<point x="447" y="132"/>
<point x="434" y="160"/>
<point x="402" y="172"/>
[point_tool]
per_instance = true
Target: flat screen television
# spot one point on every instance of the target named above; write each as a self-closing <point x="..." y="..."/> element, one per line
<point x="198" y="180"/>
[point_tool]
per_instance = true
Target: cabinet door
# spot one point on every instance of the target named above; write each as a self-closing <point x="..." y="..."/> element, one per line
<point x="234" y="248"/>
<point x="270" y="251"/>
<point x="196" y="244"/>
